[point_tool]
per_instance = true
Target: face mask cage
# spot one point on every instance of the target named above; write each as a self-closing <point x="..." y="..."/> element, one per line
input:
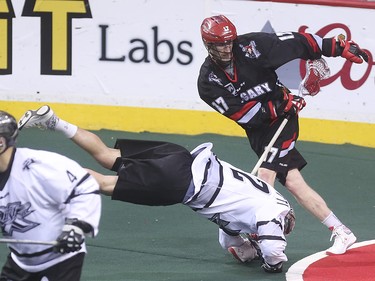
<point x="221" y="53"/>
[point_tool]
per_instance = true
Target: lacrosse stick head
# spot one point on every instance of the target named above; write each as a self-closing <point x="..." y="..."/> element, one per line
<point x="316" y="71"/>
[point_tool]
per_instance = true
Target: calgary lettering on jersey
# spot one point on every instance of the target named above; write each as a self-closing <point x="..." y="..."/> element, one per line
<point x="256" y="91"/>
<point x="56" y="37"/>
<point x="344" y="73"/>
<point x="245" y="95"/>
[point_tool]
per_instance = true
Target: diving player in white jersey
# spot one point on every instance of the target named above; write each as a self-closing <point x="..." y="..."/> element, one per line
<point x="161" y="173"/>
<point x="47" y="197"/>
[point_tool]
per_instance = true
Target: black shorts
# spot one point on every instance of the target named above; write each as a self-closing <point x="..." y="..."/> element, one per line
<point x="151" y="172"/>
<point x="67" y="270"/>
<point x="284" y="156"/>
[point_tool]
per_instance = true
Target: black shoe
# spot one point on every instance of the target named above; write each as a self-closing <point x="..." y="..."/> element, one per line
<point x="277" y="268"/>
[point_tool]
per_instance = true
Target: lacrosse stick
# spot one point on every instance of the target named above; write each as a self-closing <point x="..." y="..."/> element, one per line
<point x="316" y="70"/>
<point x="15" y="241"/>
<point x="269" y="146"/>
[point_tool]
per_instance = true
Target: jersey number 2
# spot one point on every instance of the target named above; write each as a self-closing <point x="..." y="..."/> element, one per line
<point x="257" y="183"/>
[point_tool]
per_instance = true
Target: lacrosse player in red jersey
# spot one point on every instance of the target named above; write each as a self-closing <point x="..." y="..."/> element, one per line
<point x="253" y="218"/>
<point x="238" y="79"/>
<point x="44" y="197"/>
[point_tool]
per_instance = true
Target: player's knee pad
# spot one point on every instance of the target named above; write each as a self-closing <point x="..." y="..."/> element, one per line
<point x="273" y="250"/>
<point x="227" y="240"/>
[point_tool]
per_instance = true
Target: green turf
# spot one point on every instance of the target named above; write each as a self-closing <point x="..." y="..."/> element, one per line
<point x="139" y="243"/>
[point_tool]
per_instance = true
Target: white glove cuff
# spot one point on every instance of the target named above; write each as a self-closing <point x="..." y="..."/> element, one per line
<point x="69" y="227"/>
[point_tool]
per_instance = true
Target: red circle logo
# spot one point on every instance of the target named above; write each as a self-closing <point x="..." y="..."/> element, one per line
<point x="357" y="264"/>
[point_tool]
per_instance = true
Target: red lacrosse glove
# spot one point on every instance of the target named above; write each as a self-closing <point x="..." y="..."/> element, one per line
<point x="293" y="104"/>
<point x="351" y="51"/>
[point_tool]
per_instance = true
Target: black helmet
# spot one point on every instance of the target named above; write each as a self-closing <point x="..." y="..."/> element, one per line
<point x="8" y="128"/>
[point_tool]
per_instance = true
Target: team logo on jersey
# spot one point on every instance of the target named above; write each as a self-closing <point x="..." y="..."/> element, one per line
<point x="13" y="218"/>
<point x="213" y="78"/>
<point x="27" y="163"/>
<point x="250" y="50"/>
<point x="230" y="87"/>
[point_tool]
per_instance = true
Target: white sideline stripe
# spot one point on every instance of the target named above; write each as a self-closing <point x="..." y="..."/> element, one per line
<point x="297" y="269"/>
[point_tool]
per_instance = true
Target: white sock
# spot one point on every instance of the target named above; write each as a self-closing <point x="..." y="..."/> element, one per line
<point x="68" y="129"/>
<point x="331" y="221"/>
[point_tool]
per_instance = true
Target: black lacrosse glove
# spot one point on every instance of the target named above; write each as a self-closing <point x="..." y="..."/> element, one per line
<point x="70" y="239"/>
<point x="277" y="268"/>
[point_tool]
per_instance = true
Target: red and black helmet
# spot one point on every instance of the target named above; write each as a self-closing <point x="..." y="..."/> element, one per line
<point x="218" y="29"/>
<point x="218" y="34"/>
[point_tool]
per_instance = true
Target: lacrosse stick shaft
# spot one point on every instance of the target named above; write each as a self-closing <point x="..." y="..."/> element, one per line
<point x="16" y="241"/>
<point x="269" y="146"/>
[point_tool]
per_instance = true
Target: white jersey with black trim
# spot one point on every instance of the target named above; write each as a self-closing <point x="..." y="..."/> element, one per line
<point x="236" y="200"/>
<point x="41" y="190"/>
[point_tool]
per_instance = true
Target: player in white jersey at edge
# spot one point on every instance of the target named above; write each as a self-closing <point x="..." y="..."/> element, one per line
<point x="47" y="197"/>
<point x="161" y="173"/>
